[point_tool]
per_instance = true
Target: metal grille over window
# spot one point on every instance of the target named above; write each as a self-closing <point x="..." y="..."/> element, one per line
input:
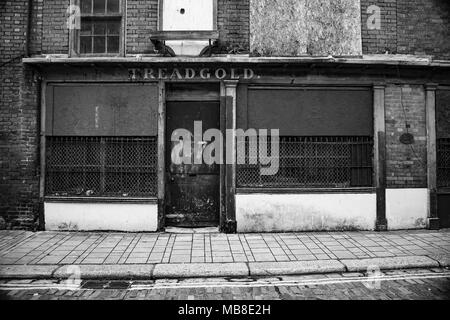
<point x="443" y="163"/>
<point x="101" y="166"/>
<point x="312" y="162"/>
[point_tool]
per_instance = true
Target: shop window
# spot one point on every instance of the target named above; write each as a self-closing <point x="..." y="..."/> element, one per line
<point x="101" y="166"/>
<point x="101" y="140"/>
<point x="312" y="162"/>
<point x="101" y="26"/>
<point x="443" y="163"/>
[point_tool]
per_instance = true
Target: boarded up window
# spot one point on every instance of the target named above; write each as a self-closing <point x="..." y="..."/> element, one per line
<point x="310" y="111"/>
<point x="443" y="112"/>
<point x="305" y="27"/>
<point x="185" y="15"/>
<point x="102" y="110"/>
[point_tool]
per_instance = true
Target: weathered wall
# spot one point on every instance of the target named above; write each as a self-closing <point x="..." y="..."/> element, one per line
<point x="284" y="27"/>
<point x="55" y="34"/>
<point x="19" y="165"/>
<point x="405" y="164"/>
<point x="408" y="27"/>
<point x="233" y="23"/>
<point x="51" y="36"/>
<point x="305" y="27"/>
<point x="406" y="208"/>
<point x="305" y="212"/>
<point x="142" y="19"/>
<point x="127" y="217"/>
<point x="384" y="39"/>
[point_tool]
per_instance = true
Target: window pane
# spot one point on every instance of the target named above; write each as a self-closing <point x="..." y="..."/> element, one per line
<point x="86" y="28"/>
<point x="86" y="6"/>
<point x="113" y="6"/>
<point x="99" y="28"/>
<point x="85" y="44"/>
<point x="99" y="6"/>
<point x="113" y="44"/>
<point x="99" y="44"/>
<point x="114" y="28"/>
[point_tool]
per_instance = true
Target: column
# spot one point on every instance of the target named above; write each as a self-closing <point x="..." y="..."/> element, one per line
<point x="380" y="156"/>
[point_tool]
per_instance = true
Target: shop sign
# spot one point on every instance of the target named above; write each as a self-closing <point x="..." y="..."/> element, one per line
<point x="139" y="74"/>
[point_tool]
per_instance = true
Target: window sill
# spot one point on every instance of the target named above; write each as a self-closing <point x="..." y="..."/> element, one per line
<point x="149" y="200"/>
<point x="304" y="190"/>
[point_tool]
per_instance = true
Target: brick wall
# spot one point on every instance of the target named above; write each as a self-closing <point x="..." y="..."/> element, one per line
<point x="55" y="34"/>
<point x="408" y="27"/>
<point x="142" y="18"/>
<point x="18" y="124"/>
<point x="384" y="39"/>
<point x="233" y="22"/>
<point x="405" y="164"/>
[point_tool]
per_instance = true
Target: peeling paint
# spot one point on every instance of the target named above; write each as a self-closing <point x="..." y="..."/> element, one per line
<point x="305" y="212"/>
<point x="129" y="217"/>
<point x="406" y="208"/>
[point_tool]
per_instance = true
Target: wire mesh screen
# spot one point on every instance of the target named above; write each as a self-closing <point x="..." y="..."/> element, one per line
<point x="310" y="162"/>
<point x="443" y="163"/>
<point x="101" y="166"/>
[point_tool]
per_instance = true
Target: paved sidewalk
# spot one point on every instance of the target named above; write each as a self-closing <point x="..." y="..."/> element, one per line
<point x="312" y="250"/>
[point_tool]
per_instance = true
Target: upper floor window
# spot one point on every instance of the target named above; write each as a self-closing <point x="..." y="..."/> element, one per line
<point x="101" y="27"/>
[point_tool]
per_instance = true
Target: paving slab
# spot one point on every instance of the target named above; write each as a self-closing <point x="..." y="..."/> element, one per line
<point x="390" y="263"/>
<point x="200" y="270"/>
<point x="104" y="271"/>
<point x="295" y="267"/>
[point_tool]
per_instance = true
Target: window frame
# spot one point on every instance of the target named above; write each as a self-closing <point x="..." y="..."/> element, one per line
<point x="161" y="13"/>
<point x="75" y="35"/>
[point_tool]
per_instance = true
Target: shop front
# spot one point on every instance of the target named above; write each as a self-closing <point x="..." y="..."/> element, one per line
<point x="125" y="146"/>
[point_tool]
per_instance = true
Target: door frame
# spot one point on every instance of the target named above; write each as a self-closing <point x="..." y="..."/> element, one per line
<point x="224" y="174"/>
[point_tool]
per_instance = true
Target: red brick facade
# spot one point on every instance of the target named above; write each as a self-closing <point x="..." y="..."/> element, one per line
<point x="406" y="165"/>
<point x="19" y="114"/>
<point x="418" y="27"/>
<point x="407" y="27"/>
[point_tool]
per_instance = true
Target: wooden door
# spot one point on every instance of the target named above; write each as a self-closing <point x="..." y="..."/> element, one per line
<point x="192" y="197"/>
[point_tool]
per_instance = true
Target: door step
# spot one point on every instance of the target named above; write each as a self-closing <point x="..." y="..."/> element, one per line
<point x="192" y="230"/>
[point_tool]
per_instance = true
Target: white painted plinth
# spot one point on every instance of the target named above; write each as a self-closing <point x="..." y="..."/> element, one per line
<point x="129" y="217"/>
<point x="305" y="212"/>
<point x="406" y="208"/>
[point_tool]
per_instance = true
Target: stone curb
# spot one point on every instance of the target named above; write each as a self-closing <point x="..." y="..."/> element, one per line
<point x="200" y="270"/>
<point x="295" y="267"/>
<point x="392" y="263"/>
<point x="443" y="259"/>
<point x="213" y="270"/>
<point x="27" y="271"/>
<point x="117" y="271"/>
